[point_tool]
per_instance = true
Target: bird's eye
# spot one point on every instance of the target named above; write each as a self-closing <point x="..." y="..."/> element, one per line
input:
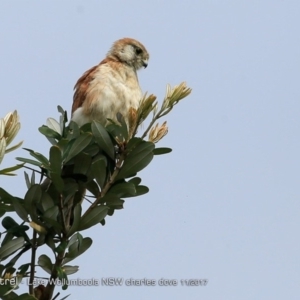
<point x="138" y="50"/>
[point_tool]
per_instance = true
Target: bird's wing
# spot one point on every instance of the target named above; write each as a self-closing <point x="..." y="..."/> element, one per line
<point x="81" y="88"/>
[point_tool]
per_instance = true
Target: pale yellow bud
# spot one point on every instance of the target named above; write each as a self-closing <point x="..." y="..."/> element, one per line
<point x="158" y="132"/>
<point x="9" y="127"/>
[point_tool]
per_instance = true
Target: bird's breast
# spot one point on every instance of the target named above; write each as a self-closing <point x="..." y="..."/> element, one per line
<point x="111" y="91"/>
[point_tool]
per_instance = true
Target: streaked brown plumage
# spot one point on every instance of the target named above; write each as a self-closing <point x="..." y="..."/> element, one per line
<point x="112" y="86"/>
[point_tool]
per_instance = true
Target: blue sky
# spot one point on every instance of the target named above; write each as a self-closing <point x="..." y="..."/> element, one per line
<point x="224" y="205"/>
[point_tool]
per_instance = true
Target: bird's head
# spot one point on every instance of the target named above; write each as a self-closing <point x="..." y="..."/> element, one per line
<point x="131" y="52"/>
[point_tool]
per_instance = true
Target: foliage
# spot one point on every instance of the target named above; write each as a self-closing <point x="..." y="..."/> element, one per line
<point x="102" y="160"/>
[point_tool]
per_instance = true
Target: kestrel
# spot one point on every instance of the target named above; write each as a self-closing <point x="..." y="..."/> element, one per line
<point x="112" y="86"/>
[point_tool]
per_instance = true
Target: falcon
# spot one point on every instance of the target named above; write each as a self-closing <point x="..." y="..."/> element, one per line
<point x="112" y="86"/>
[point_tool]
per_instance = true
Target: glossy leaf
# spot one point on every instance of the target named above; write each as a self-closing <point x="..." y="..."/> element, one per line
<point x="98" y="169"/>
<point x="54" y="125"/>
<point x="32" y="198"/>
<point x="75" y="251"/>
<point x="50" y="133"/>
<point x="20" y="210"/>
<point x="40" y="157"/>
<point x="103" y="139"/>
<point x="30" y="161"/>
<point x="51" y="213"/>
<point x="47" y="201"/>
<point x="5" y="196"/>
<point x="55" y="159"/>
<point x="93" y="217"/>
<point x="55" y="167"/>
<point x="45" y="263"/>
<point x="76" y="220"/>
<point x="7" y="171"/>
<point x="135" y="180"/>
<point x="79" y="145"/>
<point x="70" y="269"/>
<point x="82" y="164"/>
<point x="137" y="159"/>
<point x="141" y="190"/>
<point x="160" y="151"/>
<point x="9" y="222"/>
<point x="93" y="187"/>
<point x="11" y="247"/>
<point x="113" y="201"/>
<point x="124" y="189"/>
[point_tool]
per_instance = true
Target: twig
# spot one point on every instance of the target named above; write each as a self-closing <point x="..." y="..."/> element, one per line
<point x="107" y="185"/>
<point x="32" y="263"/>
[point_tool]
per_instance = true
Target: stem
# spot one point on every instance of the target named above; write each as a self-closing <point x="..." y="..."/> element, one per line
<point x="32" y="263"/>
<point x="154" y="119"/>
<point x="61" y="209"/>
<point x="107" y="185"/>
<point x="48" y="292"/>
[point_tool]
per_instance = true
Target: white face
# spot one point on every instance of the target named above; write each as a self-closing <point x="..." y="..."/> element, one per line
<point x="131" y="52"/>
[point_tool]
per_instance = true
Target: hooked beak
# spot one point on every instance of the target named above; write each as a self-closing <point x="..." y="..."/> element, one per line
<point x="145" y="63"/>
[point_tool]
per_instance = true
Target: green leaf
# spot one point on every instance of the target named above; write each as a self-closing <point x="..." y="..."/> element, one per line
<point x="70" y="190"/>
<point x="56" y="164"/>
<point x="47" y="201"/>
<point x="40" y="157"/>
<point x="136" y="180"/>
<point x="103" y="139"/>
<point x="4" y="289"/>
<point x="30" y="161"/>
<point x="79" y="145"/>
<point x="50" y="243"/>
<point x="9" y="222"/>
<point x="23" y="268"/>
<point x="137" y="160"/>
<point x="82" y="164"/>
<point x="7" y="171"/>
<point x="20" y="210"/>
<point x="55" y="159"/>
<point x="76" y="220"/>
<point x="159" y="151"/>
<point x="61" y="247"/>
<point x="93" y="187"/>
<point x="92" y="149"/>
<point x="27" y="180"/>
<point x="11" y="247"/>
<point x="32" y="198"/>
<point x="93" y="217"/>
<point x="45" y="263"/>
<point x="73" y="131"/>
<point x="5" y="196"/>
<point x="113" y="201"/>
<point x="141" y="190"/>
<point x="75" y="251"/>
<point x="98" y="169"/>
<point x="57" y="181"/>
<point x="124" y="189"/>
<point x="50" y="133"/>
<point x="70" y="269"/>
<point x="51" y="213"/>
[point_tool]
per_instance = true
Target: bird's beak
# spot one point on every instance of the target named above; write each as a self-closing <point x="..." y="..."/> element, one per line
<point x="145" y="63"/>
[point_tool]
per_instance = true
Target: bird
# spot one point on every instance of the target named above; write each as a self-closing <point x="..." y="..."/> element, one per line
<point x="112" y="86"/>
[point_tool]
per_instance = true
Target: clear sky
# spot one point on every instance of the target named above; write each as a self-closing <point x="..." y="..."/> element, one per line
<point x="224" y="205"/>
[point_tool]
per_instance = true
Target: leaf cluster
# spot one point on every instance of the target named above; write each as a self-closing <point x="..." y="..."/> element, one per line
<point x="95" y="165"/>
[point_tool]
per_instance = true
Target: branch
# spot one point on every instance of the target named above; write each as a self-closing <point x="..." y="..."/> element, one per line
<point x="32" y="263"/>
